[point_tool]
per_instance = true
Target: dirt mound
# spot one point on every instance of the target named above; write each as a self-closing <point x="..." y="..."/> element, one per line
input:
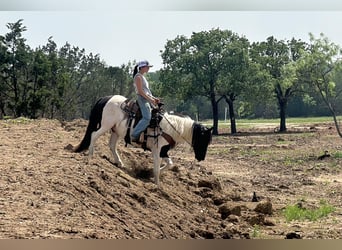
<point x="50" y="192"/>
<point x="47" y="191"/>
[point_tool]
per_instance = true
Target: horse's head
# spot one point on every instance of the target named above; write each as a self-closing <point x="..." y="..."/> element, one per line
<point x="201" y="138"/>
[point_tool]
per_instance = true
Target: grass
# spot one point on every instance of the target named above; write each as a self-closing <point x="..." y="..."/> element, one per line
<point x="250" y="122"/>
<point x="337" y="155"/>
<point x="295" y="212"/>
<point x="256" y="232"/>
<point x="19" y="120"/>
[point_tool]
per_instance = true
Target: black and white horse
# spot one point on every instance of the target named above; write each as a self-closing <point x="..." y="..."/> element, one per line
<point x="107" y="114"/>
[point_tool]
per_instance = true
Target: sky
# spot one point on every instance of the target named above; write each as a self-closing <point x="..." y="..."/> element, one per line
<point x="135" y="30"/>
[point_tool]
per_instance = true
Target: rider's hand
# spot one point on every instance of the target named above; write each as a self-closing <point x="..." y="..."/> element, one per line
<point x="155" y="101"/>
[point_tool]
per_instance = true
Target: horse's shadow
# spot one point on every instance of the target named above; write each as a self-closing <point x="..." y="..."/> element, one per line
<point x="143" y="174"/>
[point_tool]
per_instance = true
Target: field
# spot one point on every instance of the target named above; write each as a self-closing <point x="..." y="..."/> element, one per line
<point x="47" y="191"/>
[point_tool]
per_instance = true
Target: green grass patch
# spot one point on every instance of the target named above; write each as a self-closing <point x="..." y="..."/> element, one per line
<point x="219" y="150"/>
<point x="250" y="122"/>
<point x="295" y="212"/>
<point x="291" y="161"/>
<point x="337" y="155"/>
<point x="256" y="232"/>
<point x="19" y="120"/>
<point x="250" y="152"/>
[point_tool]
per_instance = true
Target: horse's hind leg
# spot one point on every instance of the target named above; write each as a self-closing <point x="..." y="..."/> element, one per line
<point x="113" y="147"/>
<point x="94" y="137"/>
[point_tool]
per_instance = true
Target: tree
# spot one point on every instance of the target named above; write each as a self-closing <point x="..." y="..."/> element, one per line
<point x="278" y="57"/>
<point x="241" y="78"/>
<point x="3" y="76"/>
<point x="16" y="63"/>
<point x="197" y="66"/>
<point x="50" y="82"/>
<point x="321" y="68"/>
<point x="121" y="80"/>
<point x="53" y="88"/>
<point x="39" y="91"/>
<point x="81" y="81"/>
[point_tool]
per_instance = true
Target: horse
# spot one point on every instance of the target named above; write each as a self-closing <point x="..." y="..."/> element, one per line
<point x="108" y="115"/>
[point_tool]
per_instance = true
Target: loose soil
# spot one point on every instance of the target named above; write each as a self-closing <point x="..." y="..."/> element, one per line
<point x="47" y="191"/>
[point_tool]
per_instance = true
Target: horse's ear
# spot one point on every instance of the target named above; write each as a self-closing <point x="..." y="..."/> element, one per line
<point x="210" y="129"/>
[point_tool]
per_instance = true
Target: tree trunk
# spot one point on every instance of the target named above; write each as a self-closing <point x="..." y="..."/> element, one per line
<point x="335" y="118"/>
<point x="214" y="105"/>
<point x="2" y="110"/>
<point x="282" y="102"/>
<point x="282" y="113"/>
<point x="232" y="118"/>
<point x="230" y="102"/>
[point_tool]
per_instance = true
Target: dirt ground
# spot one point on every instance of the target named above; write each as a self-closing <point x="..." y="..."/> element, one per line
<point x="46" y="191"/>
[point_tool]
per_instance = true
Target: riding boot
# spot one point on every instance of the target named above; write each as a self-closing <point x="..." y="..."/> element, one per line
<point x="138" y="141"/>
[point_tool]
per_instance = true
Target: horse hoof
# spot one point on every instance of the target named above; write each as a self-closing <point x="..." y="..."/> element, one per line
<point x="119" y="164"/>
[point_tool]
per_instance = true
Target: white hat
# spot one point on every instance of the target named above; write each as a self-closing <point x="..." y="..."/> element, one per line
<point x="144" y="64"/>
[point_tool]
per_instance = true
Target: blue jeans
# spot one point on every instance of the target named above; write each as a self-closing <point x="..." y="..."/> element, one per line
<point x="145" y="108"/>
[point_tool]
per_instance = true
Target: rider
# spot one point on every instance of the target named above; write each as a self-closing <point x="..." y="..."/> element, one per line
<point x="144" y="97"/>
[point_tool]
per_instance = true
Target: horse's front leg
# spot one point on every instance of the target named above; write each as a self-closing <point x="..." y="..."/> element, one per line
<point x="156" y="165"/>
<point x="113" y="147"/>
<point x="168" y="163"/>
<point x="164" y="154"/>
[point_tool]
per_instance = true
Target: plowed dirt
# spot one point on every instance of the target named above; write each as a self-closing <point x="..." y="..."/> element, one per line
<point x="47" y="191"/>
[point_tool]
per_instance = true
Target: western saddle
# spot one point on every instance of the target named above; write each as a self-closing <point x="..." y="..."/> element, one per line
<point x="132" y="109"/>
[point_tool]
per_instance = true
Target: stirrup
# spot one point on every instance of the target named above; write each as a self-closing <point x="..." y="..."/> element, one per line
<point x="139" y="140"/>
<point x="136" y="141"/>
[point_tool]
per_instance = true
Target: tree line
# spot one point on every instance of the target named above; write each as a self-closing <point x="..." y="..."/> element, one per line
<point x="50" y="82"/>
<point x="258" y="78"/>
<point x="201" y="74"/>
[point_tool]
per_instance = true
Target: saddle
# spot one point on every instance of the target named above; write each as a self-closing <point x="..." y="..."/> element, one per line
<point x="132" y="109"/>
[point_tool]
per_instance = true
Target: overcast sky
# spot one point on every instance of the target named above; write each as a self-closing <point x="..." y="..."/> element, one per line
<point x="123" y="32"/>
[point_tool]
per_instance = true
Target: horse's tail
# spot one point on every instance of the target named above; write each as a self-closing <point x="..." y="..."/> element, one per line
<point x="94" y="123"/>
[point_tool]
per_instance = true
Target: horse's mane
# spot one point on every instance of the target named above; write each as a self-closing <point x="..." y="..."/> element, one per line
<point x="178" y="127"/>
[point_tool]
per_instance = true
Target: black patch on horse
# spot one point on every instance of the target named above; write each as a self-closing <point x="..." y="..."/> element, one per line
<point x="164" y="150"/>
<point x="94" y="122"/>
<point x="201" y="138"/>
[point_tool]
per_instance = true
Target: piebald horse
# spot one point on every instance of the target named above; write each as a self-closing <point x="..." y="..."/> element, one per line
<point x="107" y="115"/>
